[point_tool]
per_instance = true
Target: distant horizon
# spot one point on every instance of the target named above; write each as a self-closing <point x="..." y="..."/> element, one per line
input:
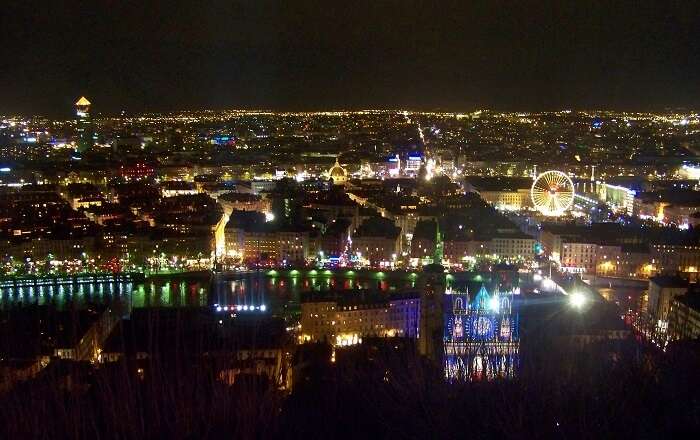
<point x="69" y="113"/>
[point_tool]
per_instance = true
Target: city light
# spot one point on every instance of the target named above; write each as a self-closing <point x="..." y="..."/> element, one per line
<point x="577" y="299"/>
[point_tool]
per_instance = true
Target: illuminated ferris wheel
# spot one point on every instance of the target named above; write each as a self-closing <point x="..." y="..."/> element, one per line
<point x="552" y="193"/>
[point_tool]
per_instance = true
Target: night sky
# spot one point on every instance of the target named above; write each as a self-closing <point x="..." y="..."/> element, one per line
<point x="307" y="55"/>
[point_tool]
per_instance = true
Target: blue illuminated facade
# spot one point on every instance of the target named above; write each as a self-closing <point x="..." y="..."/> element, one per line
<point x="481" y="334"/>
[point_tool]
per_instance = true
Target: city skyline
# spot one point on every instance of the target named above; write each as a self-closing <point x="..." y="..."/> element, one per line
<point x="592" y="112"/>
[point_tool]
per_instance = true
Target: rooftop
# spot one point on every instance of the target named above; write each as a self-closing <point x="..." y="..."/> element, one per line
<point x="499" y="183"/>
<point x="690" y="299"/>
<point x="669" y="281"/>
<point x="82" y="102"/>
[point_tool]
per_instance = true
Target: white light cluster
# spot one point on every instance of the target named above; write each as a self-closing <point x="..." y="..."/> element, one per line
<point x="240" y="308"/>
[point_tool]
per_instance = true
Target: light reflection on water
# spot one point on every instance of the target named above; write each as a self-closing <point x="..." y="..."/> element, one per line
<point x="277" y="293"/>
<point x="283" y="294"/>
<point x="629" y="299"/>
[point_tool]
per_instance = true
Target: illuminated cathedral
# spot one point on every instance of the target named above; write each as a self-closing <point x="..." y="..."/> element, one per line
<point x="481" y="337"/>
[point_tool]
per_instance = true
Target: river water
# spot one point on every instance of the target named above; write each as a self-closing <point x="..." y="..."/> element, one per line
<point x="277" y="293"/>
<point x="631" y="300"/>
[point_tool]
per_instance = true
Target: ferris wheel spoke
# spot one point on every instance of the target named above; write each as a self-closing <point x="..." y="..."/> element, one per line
<point x="557" y="204"/>
<point x="540" y="197"/>
<point x="548" y="179"/>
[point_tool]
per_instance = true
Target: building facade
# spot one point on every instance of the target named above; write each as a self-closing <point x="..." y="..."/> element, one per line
<point x="662" y="290"/>
<point x="481" y="334"/>
<point x="684" y="316"/>
<point x="340" y="320"/>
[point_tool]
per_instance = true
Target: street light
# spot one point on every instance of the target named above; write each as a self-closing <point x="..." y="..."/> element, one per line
<point x="577" y="299"/>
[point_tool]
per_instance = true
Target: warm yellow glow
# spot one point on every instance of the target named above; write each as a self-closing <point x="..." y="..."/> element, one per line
<point x="606" y="266"/>
<point x="660" y="212"/>
<point x="82" y="102"/>
<point x="648" y="269"/>
<point x="345" y="339"/>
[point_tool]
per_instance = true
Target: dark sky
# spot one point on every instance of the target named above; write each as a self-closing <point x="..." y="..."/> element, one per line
<point x="303" y="55"/>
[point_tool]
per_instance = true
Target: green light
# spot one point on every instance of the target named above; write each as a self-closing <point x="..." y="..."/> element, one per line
<point x="350" y="273"/>
<point x="272" y="273"/>
<point x="478" y="278"/>
<point x="313" y="272"/>
<point x="380" y="274"/>
<point x="327" y="272"/>
<point x="413" y="275"/>
<point x="450" y="276"/>
<point x="294" y="272"/>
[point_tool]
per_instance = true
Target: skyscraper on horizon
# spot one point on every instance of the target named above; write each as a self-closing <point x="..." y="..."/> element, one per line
<point x="82" y="111"/>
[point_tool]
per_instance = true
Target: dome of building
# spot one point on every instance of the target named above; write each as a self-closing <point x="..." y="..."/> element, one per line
<point x="338" y="173"/>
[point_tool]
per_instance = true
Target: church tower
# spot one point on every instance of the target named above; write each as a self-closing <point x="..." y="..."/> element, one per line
<point x="432" y="303"/>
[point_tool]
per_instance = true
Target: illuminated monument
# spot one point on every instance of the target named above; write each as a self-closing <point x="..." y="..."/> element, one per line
<point x="82" y="111"/>
<point x="474" y="338"/>
<point x="338" y="174"/>
<point x="481" y="336"/>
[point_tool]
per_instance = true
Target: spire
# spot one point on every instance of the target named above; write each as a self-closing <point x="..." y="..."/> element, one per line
<point x="482" y="299"/>
<point x="439" y="253"/>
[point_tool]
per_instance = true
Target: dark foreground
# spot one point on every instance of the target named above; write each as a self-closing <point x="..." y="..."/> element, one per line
<point x="391" y="395"/>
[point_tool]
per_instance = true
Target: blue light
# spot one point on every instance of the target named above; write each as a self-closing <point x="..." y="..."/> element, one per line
<point x="493" y="304"/>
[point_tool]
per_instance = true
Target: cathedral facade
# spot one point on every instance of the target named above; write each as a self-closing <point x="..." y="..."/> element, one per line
<point x="481" y="338"/>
